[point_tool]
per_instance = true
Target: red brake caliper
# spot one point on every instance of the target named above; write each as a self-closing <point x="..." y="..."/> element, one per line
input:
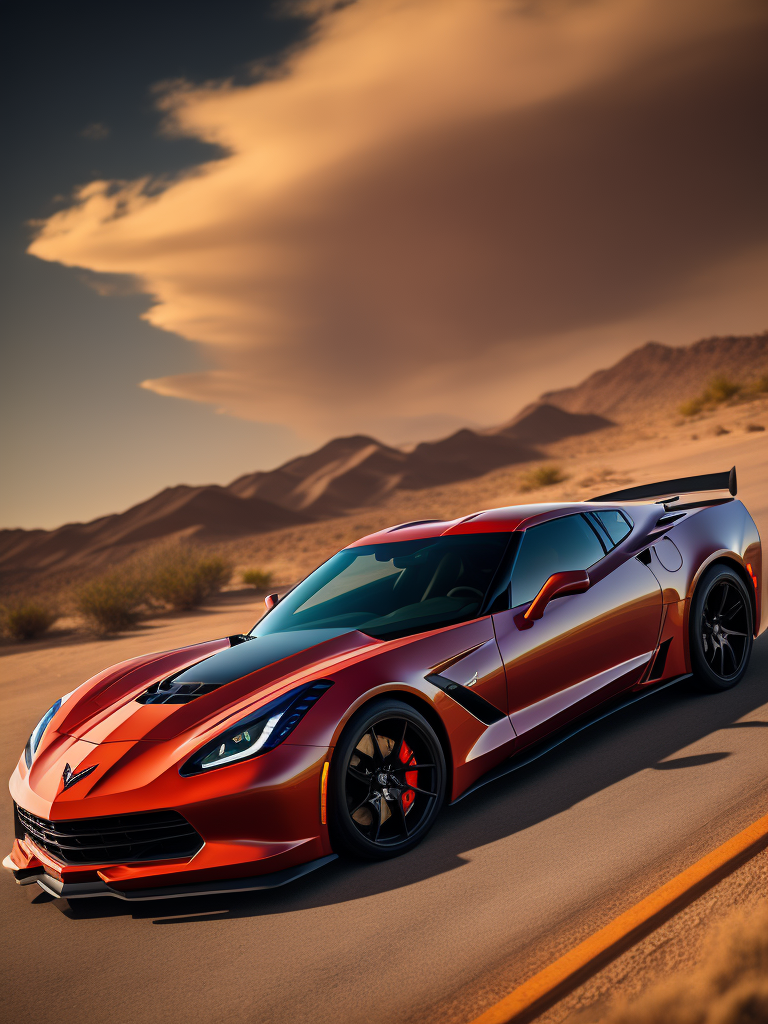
<point x="406" y="756"/>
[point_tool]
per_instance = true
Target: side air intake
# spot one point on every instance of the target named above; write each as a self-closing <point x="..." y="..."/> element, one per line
<point x="684" y="485"/>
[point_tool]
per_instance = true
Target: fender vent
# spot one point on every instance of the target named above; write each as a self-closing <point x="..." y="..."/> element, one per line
<point x="472" y="702"/>
<point x="661" y="660"/>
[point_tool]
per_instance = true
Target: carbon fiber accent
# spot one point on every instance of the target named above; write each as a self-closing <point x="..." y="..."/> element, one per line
<point x="683" y="485"/>
<point x="472" y="702"/>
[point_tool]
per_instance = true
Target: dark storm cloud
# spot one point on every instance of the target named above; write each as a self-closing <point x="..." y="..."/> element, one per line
<point x="434" y="197"/>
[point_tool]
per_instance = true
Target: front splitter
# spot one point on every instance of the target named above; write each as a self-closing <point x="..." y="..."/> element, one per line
<point x="79" y="890"/>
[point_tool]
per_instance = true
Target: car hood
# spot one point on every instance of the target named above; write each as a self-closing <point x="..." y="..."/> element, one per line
<point x="253" y="671"/>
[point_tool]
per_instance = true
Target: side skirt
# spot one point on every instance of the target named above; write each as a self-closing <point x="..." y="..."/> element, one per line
<point x="515" y="762"/>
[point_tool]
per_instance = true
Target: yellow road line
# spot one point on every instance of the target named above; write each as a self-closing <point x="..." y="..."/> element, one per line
<point x="564" y="975"/>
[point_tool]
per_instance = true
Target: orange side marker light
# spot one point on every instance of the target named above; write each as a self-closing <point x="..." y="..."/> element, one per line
<point x="752" y="576"/>
<point x="324" y="794"/>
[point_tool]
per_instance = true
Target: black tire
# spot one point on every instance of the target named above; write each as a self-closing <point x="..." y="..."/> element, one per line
<point x="720" y="629"/>
<point x="375" y="812"/>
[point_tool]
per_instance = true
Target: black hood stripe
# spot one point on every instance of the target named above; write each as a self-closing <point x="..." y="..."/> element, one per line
<point x="258" y="652"/>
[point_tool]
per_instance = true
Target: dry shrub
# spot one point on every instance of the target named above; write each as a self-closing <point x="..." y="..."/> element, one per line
<point x="183" y="576"/>
<point x="753" y="428"/>
<point x="178" y="575"/>
<point x="542" y="476"/>
<point x="111" y="602"/>
<point x="720" y="389"/>
<point x="692" y="407"/>
<point x="258" y="578"/>
<point x="27" y="619"/>
<point x="731" y="986"/>
<point x="720" y="430"/>
<point x="601" y="476"/>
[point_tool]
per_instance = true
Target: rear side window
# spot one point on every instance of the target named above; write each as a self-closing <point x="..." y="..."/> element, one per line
<point x="557" y="546"/>
<point x="614" y="524"/>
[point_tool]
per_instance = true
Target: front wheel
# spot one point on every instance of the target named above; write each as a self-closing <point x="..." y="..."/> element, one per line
<point x="720" y="629"/>
<point x="387" y="781"/>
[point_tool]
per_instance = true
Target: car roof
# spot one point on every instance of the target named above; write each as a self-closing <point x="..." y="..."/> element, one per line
<point x="494" y="520"/>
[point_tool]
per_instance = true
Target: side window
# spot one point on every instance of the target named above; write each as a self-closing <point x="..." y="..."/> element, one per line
<point x="556" y="546"/>
<point x="614" y="524"/>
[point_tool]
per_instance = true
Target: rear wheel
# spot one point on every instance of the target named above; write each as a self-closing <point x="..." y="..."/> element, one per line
<point x="387" y="781"/>
<point x="720" y="629"/>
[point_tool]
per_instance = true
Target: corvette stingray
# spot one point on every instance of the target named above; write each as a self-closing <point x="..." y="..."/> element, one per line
<point x="413" y="666"/>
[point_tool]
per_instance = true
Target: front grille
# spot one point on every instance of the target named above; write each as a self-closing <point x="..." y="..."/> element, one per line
<point x="117" y="839"/>
<point x="171" y="692"/>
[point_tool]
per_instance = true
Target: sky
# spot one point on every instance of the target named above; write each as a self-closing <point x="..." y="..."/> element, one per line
<point x="233" y="233"/>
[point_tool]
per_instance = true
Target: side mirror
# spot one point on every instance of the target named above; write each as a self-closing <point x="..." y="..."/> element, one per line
<point x="575" y="581"/>
<point x="271" y="600"/>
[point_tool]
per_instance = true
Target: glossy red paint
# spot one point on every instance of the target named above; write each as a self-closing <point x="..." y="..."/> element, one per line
<point x="586" y="648"/>
<point x="574" y="582"/>
<point x="537" y="667"/>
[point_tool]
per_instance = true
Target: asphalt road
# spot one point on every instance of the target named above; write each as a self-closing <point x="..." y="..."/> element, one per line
<point x="506" y="881"/>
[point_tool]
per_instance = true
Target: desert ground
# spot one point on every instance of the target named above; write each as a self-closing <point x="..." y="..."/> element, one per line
<point x="507" y="880"/>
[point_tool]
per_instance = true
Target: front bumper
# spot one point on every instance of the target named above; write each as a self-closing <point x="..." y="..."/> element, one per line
<point x="77" y="890"/>
<point x="259" y="820"/>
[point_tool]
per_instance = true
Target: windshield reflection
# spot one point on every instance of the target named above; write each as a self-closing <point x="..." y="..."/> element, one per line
<point x="389" y="590"/>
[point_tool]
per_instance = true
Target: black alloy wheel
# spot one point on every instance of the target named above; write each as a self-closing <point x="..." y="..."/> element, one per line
<point x="387" y="781"/>
<point x="720" y="629"/>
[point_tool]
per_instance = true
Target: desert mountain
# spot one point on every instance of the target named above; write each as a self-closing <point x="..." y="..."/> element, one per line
<point x="209" y="512"/>
<point x="351" y="472"/>
<point x="657" y="378"/>
<point x="544" y="423"/>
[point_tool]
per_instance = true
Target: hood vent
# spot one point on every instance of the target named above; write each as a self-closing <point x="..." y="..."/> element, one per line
<point x="169" y="691"/>
<point x="414" y="522"/>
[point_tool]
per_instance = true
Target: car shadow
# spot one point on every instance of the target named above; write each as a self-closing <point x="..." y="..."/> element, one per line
<point x="642" y="736"/>
<point x="691" y="762"/>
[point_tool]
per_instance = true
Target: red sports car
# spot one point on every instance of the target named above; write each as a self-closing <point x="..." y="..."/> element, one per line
<point x="413" y="666"/>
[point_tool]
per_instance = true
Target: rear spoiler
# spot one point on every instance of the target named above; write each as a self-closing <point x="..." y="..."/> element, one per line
<point x="685" y="485"/>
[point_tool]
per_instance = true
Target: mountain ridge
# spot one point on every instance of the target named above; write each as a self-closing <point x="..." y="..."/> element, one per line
<point x="655" y="376"/>
<point x="355" y="471"/>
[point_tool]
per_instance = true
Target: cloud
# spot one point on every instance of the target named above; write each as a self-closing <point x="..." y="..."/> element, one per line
<point x="95" y="131"/>
<point x="433" y="207"/>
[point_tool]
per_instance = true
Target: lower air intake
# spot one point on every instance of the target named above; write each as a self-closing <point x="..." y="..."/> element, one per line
<point x="118" y="839"/>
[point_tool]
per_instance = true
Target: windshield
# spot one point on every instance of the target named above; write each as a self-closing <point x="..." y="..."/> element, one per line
<point x="389" y="590"/>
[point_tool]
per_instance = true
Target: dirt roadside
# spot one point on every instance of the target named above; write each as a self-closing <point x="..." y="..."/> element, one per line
<point x="673" y="951"/>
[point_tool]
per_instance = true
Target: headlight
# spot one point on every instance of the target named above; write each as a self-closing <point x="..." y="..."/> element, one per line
<point x="261" y="731"/>
<point x="37" y="733"/>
